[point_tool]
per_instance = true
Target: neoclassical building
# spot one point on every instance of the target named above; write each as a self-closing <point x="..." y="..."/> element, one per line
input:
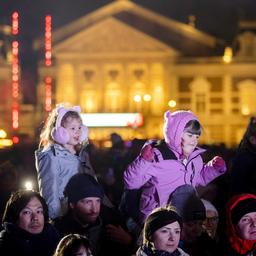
<point x="124" y="58"/>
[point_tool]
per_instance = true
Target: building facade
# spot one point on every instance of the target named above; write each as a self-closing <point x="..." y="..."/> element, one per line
<point x="124" y="58"/>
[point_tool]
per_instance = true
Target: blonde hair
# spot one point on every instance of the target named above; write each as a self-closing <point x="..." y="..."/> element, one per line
<point x="46" y="134"/>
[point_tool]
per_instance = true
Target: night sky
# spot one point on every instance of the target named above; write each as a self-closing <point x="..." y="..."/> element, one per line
<point x="216" y="17"/>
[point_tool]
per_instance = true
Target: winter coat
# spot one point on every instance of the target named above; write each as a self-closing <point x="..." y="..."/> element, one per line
<point x="55" y="166"/>
<point x="168" y="171"/>
<point x="145" y="250"/>
<point x="97" y="232"/>
<point x="237" y="245"/>
<point x="15" y="241"/>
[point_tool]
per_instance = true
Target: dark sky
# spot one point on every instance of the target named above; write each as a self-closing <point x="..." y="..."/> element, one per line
<point x="217" y="17"/>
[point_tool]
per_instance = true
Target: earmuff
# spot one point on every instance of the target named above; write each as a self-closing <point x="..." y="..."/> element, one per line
<point x="59" y="133"/>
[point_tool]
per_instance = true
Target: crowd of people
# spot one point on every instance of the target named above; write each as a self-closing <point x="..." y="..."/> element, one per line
<point x="166" y="197"/>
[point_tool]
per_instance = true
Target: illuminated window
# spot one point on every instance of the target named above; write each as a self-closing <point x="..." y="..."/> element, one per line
<point x="200" y="102"/>
<point x="113" y="100"/>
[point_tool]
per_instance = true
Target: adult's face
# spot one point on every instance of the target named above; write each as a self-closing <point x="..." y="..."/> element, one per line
<point x="87" y="209"/>
<point x="246" y="226"/>
<point x="31" y="217"/>
<point x="167" y="238"/>
<point x="192" y="230"/>
<point x="210" y="224"/>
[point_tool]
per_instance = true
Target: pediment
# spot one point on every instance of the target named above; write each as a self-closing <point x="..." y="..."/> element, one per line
<point x="112" y="36"/>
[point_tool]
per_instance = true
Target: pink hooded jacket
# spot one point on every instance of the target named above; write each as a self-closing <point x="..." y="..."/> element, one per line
<point x="162" y="176"/>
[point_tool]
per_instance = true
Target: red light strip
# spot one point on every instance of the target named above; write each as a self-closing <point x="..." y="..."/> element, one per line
<point x="48" y="40"/>
<point x="15" y="23"/>
<point x="15" y="72"/>
<point x="48" y="93"/>
<point x="15" y="84"/>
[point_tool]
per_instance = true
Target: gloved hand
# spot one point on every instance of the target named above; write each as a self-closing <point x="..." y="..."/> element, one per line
<point x="147" y="153"/>
<point x="219" y="164"/>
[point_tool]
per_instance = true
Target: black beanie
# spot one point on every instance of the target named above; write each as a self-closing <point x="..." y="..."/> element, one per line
<point x="242" y="208"/>
<point x="82" y="186"/>
<point x="158" y="219"/>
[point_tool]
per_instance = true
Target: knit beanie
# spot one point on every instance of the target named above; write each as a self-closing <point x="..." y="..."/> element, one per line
<point x="189" y="206"/>
<point x="159" y="219"/>
<point x="243" y="207"/>
<point x="81" y="186"/>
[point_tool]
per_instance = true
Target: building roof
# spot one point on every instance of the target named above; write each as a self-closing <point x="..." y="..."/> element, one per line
<point x="183" y="38"/>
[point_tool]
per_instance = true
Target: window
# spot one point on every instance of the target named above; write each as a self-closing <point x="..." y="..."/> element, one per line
<point x="200" y="102"/>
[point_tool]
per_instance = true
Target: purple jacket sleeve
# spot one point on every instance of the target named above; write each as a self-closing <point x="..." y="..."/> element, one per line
<point x="209" y="173"/>
<point x="137" y="173"/>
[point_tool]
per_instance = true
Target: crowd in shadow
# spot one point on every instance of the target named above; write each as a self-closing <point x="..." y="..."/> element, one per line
<point x="215" y="216"/>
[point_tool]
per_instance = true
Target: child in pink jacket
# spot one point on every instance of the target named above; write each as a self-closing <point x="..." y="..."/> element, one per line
<point x="163" y="166"/>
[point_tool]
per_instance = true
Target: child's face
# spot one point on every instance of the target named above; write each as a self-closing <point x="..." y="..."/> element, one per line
<point x="189" y="142"/>
<point x="74" y="128"/>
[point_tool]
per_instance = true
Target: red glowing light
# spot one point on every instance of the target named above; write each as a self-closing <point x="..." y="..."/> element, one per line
<point x="15" y="23"/>
<point x="15" y="139"/>
<point x="48" y="93"/>
<point x="48" y="40"/>
<point x="15" y="82"/>
<point x="15" y="118"/>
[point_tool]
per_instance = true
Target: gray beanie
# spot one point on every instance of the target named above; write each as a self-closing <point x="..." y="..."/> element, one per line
<point x="188" y="204"/>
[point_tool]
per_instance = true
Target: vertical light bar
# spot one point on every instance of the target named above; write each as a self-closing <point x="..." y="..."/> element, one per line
<point x="48" y="40"/>
<point x="15" y="116"/>
<point x="15" y="72"/>
<point x="48" y="62"/>
<point x="15" y="23"/>
<point x="48" y="93"/>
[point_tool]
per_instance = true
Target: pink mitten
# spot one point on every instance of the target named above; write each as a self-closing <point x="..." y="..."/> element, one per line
<point x="219" y="164"/>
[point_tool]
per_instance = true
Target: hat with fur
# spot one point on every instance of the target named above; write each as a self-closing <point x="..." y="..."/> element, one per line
<point x="189" y="206"/>
<point x="174" y="124"/>
<point x="209" y="206"/>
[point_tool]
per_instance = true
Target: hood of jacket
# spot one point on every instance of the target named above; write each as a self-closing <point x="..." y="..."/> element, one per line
<point x="174" y="124"/>
<point x="238" y="244"/>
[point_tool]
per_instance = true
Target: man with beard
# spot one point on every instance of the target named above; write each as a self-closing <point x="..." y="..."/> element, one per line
<point x="86" y="215"/>
<point x="26" y="229"/>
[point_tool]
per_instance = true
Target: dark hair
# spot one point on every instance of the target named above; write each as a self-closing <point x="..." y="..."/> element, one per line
<point x="194" y="127"/>
<point x="159" y="218"/>
<point x="18" y="201"/>
<point x="70" y="244"/>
